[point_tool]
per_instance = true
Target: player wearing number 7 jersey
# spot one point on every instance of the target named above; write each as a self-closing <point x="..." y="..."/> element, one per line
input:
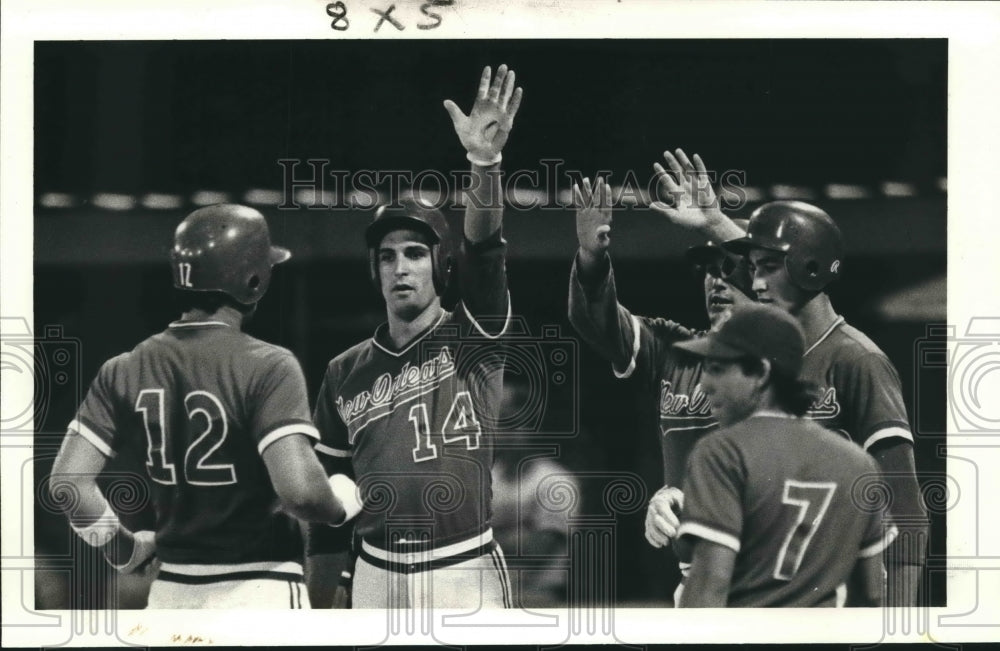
<point x="775" y="510"/>
<point x="222" y="422"/>
<point x="409" y="410"/>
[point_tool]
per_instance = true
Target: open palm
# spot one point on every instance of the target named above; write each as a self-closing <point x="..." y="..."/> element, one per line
<point x="694" y="200"/>
<point x="484" y="131"/>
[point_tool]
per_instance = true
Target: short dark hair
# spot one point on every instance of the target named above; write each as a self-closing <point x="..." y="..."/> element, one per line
<point x="209" y="301"/>
<point x="793" y="395"/>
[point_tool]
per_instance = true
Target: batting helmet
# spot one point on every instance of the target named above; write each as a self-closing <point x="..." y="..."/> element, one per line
<point x="411" y="214"/>
<point x="225" y="248"/>
<point x="713" y="259"/>
<point x="806" y="235"/>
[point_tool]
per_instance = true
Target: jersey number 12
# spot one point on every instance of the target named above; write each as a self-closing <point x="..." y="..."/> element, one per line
<point x="202" y="408"/>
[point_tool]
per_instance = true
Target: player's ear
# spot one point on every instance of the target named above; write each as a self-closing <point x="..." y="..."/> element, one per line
<point x="762" y="373"/>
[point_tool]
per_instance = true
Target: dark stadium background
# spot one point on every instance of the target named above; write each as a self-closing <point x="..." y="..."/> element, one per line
<point x="128" y="135"/>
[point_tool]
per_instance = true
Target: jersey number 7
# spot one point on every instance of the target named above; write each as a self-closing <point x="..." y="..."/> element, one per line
<point x="202" y="407"/>
<point x="811" y="500"/>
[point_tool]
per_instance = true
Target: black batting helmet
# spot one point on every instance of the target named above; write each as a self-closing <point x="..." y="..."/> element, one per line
<point x="807" y="236"/>
<point x="713" y="259"/>
<point x="225" y="248"/>
<point x="414" y="215"/>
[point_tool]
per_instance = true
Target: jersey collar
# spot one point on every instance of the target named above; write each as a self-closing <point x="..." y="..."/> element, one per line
<point x="197" y="324"/>
<point x="380" y="333"/>
<point x="822" y="337"/>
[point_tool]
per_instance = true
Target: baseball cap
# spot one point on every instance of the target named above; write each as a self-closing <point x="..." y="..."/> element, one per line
<point x="759" y="331"/>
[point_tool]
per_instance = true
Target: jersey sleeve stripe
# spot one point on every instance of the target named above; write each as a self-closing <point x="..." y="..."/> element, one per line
<point x="635" y="351"/>
<point x="708" y="533"/>
<point x="333" y="452"/>
<point x="888" y="431"/>
<point x="285" y="430"/>
<point x="879" y="546"/>
<point x="92" y="437"/>
<point x="478" y="327"/>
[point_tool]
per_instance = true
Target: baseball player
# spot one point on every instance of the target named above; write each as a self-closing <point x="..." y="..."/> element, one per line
<point x="407" y="410"/>
<point x="222" y="422"/>
<point x="642" y="346"/>
<point x="770" y="513"/>
<point x="794" y="251"/>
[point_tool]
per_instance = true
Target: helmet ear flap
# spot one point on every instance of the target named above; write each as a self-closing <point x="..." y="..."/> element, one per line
<point x="444" y="268"/>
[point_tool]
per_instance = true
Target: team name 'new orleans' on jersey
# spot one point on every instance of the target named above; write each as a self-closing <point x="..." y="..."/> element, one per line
<point x="417" y="423"/>
<point x="642" y="347"/>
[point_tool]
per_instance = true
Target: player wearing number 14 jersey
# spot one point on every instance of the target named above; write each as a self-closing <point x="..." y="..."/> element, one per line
<point x="411" y="408"/>
<point x="222" y="422"/>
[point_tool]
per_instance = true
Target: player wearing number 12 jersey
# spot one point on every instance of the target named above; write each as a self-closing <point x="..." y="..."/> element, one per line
<point x="222" y="422"/>
<point x="775" y="509"/>
<point x="410" y="409"/>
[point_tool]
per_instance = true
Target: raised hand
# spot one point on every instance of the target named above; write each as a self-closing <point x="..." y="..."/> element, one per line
<point x="593" y="217"/>
<point x="694" y="201"/>
<point x="484" y="131"/>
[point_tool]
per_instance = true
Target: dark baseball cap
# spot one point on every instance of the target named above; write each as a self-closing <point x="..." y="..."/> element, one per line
<point x="712" y="259"/>
<point x="758" y="331"/>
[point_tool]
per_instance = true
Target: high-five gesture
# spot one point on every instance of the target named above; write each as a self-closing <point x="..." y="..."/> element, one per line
<point x="484" y="131"/>
<point x="593" y="218"/>
<point x="694" y="200"/>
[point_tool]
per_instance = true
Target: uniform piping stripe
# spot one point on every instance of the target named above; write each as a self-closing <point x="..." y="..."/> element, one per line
<point x="286" y="430"/>
<point x="635" y="351"/>
<point x="412" y="343"/>
<point x="708" y="533"/>
<point x="501" y="566"/>
<point x="92" y="437"/>
<point x="878" y="547"/>
<point x="287" y="567"/>
<point x="475" y="323"/>
<point x="888" y="433"/>
<point x="291" y="595"/>
<point x="195" y="324"/>
<point x="333" y="452"/>
<point x="430" y="555"/>
<point x="823" y="336"/>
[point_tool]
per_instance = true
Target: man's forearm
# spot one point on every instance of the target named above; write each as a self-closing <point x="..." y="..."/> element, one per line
<point x="719" y="228"/>
<point x="905" y="557"/>
<point x="484" y="206"/>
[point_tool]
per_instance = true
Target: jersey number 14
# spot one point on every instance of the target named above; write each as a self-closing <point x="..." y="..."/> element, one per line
<point x="460" y="424"/>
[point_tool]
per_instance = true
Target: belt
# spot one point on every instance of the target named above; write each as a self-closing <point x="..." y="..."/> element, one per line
<point x="194" y="574"/>
<point x="428" y="559"/>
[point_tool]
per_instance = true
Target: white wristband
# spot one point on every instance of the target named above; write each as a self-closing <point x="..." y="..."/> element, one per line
<point x="484" y="163"/>
<point x="101" y="530"/>
<point x="345" y="490"/>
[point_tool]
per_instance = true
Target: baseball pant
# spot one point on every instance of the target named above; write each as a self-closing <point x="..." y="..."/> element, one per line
<point x="274" y="586"/>
<point x="471" y="579"/>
